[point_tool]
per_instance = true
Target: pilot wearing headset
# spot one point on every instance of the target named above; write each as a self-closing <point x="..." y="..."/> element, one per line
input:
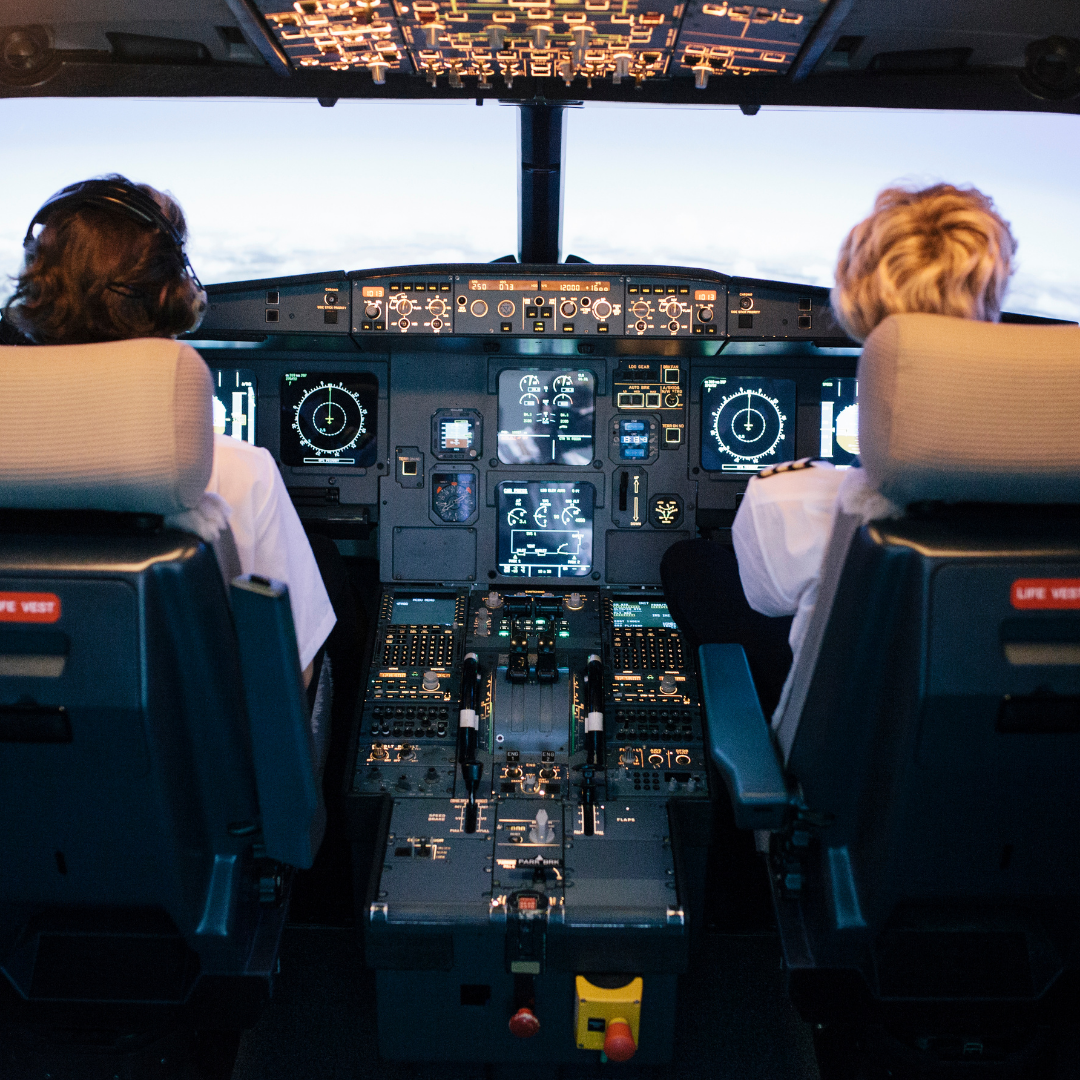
<point x="941" y="250"/>
<point x="109" y="264"/>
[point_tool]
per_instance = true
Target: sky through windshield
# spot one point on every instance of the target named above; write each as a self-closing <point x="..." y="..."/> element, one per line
<point x="287" y="187"/>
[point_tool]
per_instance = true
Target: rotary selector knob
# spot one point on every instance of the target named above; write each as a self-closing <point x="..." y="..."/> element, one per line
<point x="574" y="601"/>
<point x="493" y="601"/>
<point x="431" y="680"/>
<point x="746" y="302"/>
<point x="602" y="309"/>
<point x="437" y="307"/>
<point x="668" y="685"/>
<point x="705" y="314"/>
<point x="640" y="308"/>
<point x="372" y="311"/>
<point x="479" y="308"/>
<point x="568" y="309"/>
<point x="403" y="305"/>
<point x="506" y="308"/>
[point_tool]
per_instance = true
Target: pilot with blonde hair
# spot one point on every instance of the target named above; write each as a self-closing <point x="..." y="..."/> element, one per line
<point x="940" y="250"/>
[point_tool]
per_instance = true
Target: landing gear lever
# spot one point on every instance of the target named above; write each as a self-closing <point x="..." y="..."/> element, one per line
<point x="468" y="736"/>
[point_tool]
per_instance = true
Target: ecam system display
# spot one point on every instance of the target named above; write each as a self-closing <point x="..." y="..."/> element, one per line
<point x="546" y="417"/>
<point x="545" y="529"/>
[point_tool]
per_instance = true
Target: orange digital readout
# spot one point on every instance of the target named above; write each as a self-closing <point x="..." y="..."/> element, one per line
<point x="704" y="294"/>
<point x="373" y="291"/>
<point x="502" y="285"/>
<point x="575" y="286"/>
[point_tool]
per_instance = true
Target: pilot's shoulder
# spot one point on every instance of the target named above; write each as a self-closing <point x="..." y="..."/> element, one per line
<point x="239" y="465"/>
<point x="795" y="481"/>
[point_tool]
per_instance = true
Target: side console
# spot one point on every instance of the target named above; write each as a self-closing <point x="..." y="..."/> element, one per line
<point x="537" y="744"/>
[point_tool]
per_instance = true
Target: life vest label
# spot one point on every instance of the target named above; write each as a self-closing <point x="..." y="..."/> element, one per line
<point x="1060" y="594"/>
<point x="41" y="607"/>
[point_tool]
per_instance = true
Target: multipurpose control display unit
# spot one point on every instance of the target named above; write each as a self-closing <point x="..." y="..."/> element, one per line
<point x="529" y="748"/>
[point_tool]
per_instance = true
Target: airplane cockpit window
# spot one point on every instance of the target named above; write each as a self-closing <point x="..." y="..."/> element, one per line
<point x="523" y="301"/>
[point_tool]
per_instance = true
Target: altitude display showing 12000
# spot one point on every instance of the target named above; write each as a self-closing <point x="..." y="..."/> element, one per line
<point x="545" y="530"/>
<point x="746" y="423"/>
<point x="329" y="418"/>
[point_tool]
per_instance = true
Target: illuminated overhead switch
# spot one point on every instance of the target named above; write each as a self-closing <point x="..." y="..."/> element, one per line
<point x="622" y="67"/>
<point x="608" y="1017"/>
<point x="432" y="31"/>
<point x="455" y="78"/>
<point x="496" y="36"/>
<point x="582" y="34"/>
<point x="702" y="72"/>
<point x="540" y="35"/>
<point x="566" y="70"/>
<point x="378" y="69"/>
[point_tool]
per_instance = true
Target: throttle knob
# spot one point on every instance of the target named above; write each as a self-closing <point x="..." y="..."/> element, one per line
<point x="619" y="1042"/>
<point x="524" y="1025"/>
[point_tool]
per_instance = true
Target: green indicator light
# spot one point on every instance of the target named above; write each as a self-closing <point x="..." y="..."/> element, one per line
<point x="564" y="633"/>
<point x="504" y="633"/>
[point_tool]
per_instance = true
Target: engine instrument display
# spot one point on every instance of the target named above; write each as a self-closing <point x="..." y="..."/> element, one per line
<point x="423" y="611"/>
<point x="453" y="496"/>
<point x="643" y="614"/>
<point x="840" y="421"/>
<point x="328" y="419"/>
<point x="747" y="423"/>
<point x="546" y="417"/>
<point x="235" y="392"/>
<point x="545" y="529"/>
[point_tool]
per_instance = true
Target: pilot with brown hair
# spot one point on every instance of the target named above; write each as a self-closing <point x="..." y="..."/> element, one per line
<point x="941" y="250"/>
<point x="109" y="264"/>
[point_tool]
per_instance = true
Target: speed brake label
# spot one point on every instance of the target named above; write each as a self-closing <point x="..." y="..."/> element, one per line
<point x="1061" y="594"/>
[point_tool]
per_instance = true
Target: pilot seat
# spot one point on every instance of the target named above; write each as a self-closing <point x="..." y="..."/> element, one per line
<point x="917" y="792"/>
<point x="158" y="779"/>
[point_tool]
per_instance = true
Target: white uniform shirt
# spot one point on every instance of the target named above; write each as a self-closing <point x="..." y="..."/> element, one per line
<point x="780" y="533"/>
<point x="269" y="537"/>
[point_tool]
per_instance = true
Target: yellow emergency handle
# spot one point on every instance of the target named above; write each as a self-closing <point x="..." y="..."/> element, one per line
<point x="608" y="1019"/>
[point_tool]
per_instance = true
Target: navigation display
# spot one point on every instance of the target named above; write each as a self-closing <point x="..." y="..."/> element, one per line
<point x="235" y="393"/>
<point x="545" y="530"/>
<point x="840" y="421"/>
<point x="546" y="417"/>
<point x="747" y="423"/>
<point x="329" y="418"/>
<point x="646" y="614"/>
<point x="423" y="611"/>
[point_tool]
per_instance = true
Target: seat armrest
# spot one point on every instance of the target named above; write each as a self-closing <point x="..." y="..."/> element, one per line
<point x="739" y="738"/>
<point x="290" y="796"/>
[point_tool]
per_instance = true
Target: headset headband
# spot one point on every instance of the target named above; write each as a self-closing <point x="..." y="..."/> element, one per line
<point x="114" y="194"/>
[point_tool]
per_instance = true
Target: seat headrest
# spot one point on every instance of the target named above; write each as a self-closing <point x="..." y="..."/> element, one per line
<point x="963" y="411"/>
<point x="120" y="425"/>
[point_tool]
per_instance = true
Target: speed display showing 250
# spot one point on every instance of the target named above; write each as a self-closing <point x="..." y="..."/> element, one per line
<point x="329" y="418"/>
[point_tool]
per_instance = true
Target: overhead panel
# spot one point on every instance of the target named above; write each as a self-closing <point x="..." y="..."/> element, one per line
<point x="622" y="40"/>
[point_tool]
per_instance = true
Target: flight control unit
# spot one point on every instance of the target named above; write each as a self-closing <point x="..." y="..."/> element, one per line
<point x="533" y="740"/>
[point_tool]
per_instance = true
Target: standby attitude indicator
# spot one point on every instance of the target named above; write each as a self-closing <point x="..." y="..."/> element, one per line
<point x="745" y="423"/>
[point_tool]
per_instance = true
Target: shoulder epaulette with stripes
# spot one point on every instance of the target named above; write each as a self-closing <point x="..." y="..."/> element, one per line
<point x="787" y="466"/>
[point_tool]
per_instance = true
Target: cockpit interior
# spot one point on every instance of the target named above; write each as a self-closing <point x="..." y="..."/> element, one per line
<point x="520" y="824"/>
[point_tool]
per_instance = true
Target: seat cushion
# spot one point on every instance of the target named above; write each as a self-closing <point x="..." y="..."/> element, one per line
<point x="122" y="426"/>
<point x="956" y="410"/>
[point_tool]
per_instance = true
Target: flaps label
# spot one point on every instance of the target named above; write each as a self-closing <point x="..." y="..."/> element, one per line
<point x="1062" y="594"/>
<point x="29" y="607"/>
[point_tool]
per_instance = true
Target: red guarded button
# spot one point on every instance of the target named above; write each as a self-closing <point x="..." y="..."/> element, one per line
<point x="1059" y="594"/>
<point x="29" y="607"/>
<point x="524" y="1024"/>
<point x="619" y="1042"/>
